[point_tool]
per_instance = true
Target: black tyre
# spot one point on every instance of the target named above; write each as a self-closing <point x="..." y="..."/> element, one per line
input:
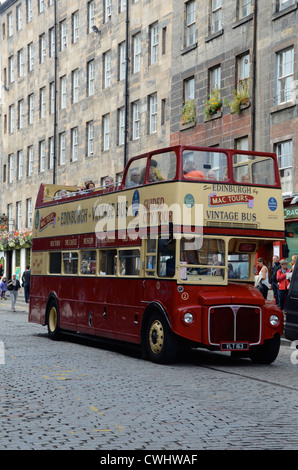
<point x="267" y="352"/>
<point x="159" y="343"/>
<point x="53" y="319"/>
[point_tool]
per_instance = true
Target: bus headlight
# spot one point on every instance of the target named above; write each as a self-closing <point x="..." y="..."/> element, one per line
<point x="274" y="320"/>
<point x="188" y="318"/>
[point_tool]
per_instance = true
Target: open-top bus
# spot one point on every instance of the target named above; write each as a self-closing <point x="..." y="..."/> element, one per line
<point x="166" y="257"/>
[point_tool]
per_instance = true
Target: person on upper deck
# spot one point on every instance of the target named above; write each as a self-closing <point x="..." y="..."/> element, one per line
<point x="211" y="175"/>
<point x="134" y="178"/>
<point x="191" y="171"/>
<point x="109" y="180"/>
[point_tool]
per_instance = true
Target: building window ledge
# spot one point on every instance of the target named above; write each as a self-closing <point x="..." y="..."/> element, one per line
<point x="189" y="125"/>
<point x="281" y="13"/>
<point x="214" y="116"/>
<point x="214" y="35"/>
<point x="281" y="107"/>
<point x="243" y="21"/>
<point x="189" y="48"/>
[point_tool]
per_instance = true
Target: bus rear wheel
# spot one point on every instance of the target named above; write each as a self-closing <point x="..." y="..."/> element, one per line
<point x="160" y="344"/>
<point x="53" y="320"/>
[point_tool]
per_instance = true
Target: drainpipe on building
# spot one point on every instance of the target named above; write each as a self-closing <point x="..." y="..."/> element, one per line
<point x="254" y="72"/>
<point x="55" y="93"/>
<point x="126" y="87"/>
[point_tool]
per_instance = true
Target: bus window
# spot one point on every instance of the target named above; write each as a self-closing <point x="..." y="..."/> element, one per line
<point x="55" y="263"/>
<point x="263" y="171"/>
<point x="133" y="176"/>
<point x="166" y="257"/>
<point x="129" y="262"/>
<point x="163" y="166"/>
<point x="238" y="266"/>
<point x="88" y="262"/>
<point x="108" y="262"/>
<point x="201" y="257"/>
<point x="70" y="262"/>
<point x="150" y="257"/>
<point x="199" y="164"/>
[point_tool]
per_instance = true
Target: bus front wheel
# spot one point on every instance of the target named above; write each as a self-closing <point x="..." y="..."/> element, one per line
<point x="53" y="319"/>
<point x="159" y="343"/>
<point x="267" y="352"/>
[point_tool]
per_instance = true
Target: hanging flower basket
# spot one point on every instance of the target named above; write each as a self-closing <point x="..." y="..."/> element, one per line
<point x="241" y="97"/>
<point x="188" y="113"/>
<point x="14" y="240"/>
<point x="213" y="104"/>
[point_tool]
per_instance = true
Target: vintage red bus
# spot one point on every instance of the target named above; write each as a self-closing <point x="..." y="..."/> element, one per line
<point x="165" y="258"/>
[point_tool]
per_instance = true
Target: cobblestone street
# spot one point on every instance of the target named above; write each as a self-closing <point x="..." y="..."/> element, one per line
<point x="76" y="395"/>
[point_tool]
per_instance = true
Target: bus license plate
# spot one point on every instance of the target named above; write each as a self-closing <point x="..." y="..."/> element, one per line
<point x="234" y="346"/>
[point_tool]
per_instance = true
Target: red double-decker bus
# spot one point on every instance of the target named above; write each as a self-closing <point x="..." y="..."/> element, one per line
<point x="165" y="259"/>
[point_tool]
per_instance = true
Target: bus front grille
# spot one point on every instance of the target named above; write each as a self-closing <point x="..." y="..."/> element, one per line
<point x="234" y="323"/>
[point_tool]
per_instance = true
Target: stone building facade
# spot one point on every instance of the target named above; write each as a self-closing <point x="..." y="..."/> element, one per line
<point x="87" y="85"/>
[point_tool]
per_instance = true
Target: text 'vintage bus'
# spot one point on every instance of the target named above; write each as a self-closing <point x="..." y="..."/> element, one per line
<point x="165" y="258"/>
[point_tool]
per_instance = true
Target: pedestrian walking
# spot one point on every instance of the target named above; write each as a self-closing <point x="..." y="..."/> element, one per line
<point x="264" y="285"/>
<point x="3" y="288"/>
<point x="273" y="282"/>
<point x="283" y="284"/>
<point x="26" y="283"/>
<point x="13" y="286"/>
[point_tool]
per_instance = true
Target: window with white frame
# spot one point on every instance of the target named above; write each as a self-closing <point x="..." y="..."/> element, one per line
<point x="19" y="164"/>
<point x="74" y="144"/>
<point x="153" y="43"/>
<point x="21" y="110"/>
<point x="42" y="48"/>
<point x="215" y="78"/>
<point x="122" y="5"/>
<point x="75" y="86"/>
<point x="51" y="153"/>
<point x="63" y="92"/>
<point x="107" y="10"/>
<point x="285" y="76"/>
<point x="30" y="108"/>
<point x="19" y="215"/>
<point x="107" y="69"/>
<point x="11" y="68"/>
<point x="29" y="212"/>
<point x="284" y="152"/>
<point x="190" y="22"/>
<point x="62" y="148"/>
<point x="40" y="6"/>
<point x="19" y="17"/>
<point x="189" y="89"/>
<point x="106" y="131"/>
<point x="29" y="10"/>
<point x="10" y="168"/>
<point x="30" y="56"/>
<point x="21" y="63"/>
<point x="91" y="15"/>
<point x="52" y="97"/>
<point x="11" y="119"/>
<point x="30" y="160"/>
<point x="10" y="219"/>
<point x="216" y="16"/>
<point x="121" y="61"/>
<point x="42" y="155"/>
<point x="42" y="102"/>
<point x="121" y="130"/>
<point x="245" y="8"/>
<point x="75" y="27"/>
<point x="283" y="4"/>
<point x="90" y="138"/>
<point x="153" y="113"/>
<point x="63" y="35"/>
<point x="135" y="120"/>
<point x="90" y="78"/>
<point x="51" y="42"/>
<point x="9" y="24"/>
<point x="136" y="44"/>
<point x="243" y="70"/>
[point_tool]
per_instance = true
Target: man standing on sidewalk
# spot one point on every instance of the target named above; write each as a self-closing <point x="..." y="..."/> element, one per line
<point x="13" y="286"/>
<point x="274" y="284"/>
<point x="26" y="283"/>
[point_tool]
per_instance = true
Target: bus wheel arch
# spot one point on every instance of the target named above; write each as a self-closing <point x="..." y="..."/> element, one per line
<point x="52" y="317"/>
<point x="159" y="344"/>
